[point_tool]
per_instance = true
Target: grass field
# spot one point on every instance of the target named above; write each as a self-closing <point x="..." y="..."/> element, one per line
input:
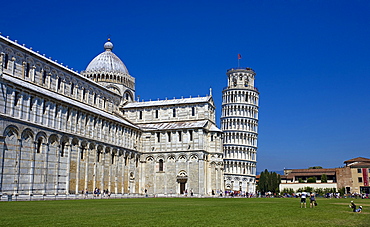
<point x="183" y="212"/>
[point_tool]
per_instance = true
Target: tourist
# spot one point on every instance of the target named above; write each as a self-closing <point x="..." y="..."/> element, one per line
<point x="303" y="199"/>
<point x="359" y="210"/>
<point x="353" y="207"/>
<point x="312" y="200"/>
<point x="86" y="193"/>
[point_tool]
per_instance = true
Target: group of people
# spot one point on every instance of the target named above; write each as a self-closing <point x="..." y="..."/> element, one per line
<point x="96" y="193"/>
<point x="186" y="192"/>
<point x="313" y="202"/>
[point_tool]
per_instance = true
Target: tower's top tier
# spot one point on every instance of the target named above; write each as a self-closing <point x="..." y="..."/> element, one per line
<point x="241" y="78"/>
<point x="241" y="69"/>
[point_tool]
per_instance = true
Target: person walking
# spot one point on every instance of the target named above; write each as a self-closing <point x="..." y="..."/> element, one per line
<point x="86" y="193"/>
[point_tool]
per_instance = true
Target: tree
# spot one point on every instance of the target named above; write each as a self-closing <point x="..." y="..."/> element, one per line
<point x="315" y="167"/>
<point x="324" y="178"/>
<point x="269" y="182"/>
<point x="263" y="182"/>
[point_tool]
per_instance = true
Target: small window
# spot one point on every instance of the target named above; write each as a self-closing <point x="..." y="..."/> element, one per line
<point x="112" y="159"/>
<point x="174" y="113"/>
<point x="158" y="137"/>
<point x="44" y="77"/>
<point x="360" y="180"/>
<point x="6" y="61"/>
<point x="83" y="93"/>
<point x="156" y="114"/>
<point x="191" y="135"/>
<point x="212" y="138"/>
<point x="180" y="137"/>
<point x="359" y="171"/>
<point x="169" y="136"/>
<point x="82" y="154"/>
<point x="31" y="100"/>
<point x="141" y="115"/>
<point x="59" y="83"/>
<point x="27" y="70"/>
<point x="39" y="145"/>
<point x="193" y="111"/>
<point x="62" y="150"/>
<point x="160" y="165"/>
<point x="16" y="98"/>
<point x="44" y="107"/>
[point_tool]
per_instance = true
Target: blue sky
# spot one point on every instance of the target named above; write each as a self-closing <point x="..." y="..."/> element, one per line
<point x="312" y="60"/>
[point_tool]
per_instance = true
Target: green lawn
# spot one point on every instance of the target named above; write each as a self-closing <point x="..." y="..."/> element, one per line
<point x="183" y="212"/>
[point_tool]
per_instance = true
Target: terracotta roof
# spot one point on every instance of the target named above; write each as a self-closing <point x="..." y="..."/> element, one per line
<point x="361" y="165"/>
<point x="313" y="170"/>
<point x="309" y="172"/>
<point x="359" y="159"/>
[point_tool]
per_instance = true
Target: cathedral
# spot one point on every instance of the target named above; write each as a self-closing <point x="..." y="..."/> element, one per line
<point x="62" y="132"/>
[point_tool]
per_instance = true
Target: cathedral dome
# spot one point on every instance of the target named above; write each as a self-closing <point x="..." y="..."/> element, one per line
<point x="107" y="62"/>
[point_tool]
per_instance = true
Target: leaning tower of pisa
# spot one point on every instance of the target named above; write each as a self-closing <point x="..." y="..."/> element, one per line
<point x="239" y="122"/>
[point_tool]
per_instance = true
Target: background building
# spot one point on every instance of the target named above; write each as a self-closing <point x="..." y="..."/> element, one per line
<point x="353" y="177"/>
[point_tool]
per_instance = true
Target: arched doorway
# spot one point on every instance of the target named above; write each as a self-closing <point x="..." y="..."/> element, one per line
<point x="182" y="178"/>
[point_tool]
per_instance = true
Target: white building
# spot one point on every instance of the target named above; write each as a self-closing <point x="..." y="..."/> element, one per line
<point x="239" y="122"/>
<point x="62" y="132"/>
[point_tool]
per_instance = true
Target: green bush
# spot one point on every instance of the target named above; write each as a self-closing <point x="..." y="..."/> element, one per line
<point x="342" y="191"/>
<point x="324" y="178"/>
<point x="305" y="189"/>
<point x="319" y="191"/>
<point x="287" y="191"/>
<point x="311" y="180"/>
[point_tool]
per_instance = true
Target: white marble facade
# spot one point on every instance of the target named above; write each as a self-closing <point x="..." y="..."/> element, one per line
<point x="239" y="123"/>
<point x="62" y="132"/>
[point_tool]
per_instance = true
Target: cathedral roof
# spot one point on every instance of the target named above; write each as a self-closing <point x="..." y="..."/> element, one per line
<point x="62" y="98"/>
<point x="168" y="102"/>
<point x="107" y="62"/>
<point x="174" y="125"/>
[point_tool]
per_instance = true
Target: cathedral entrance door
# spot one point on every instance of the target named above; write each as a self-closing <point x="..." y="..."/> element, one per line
<point x="182" y="187"/>
<point x="182" y="178"/>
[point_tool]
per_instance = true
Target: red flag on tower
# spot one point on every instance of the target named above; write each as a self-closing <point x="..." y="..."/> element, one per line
<point x="239" y="56"/>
